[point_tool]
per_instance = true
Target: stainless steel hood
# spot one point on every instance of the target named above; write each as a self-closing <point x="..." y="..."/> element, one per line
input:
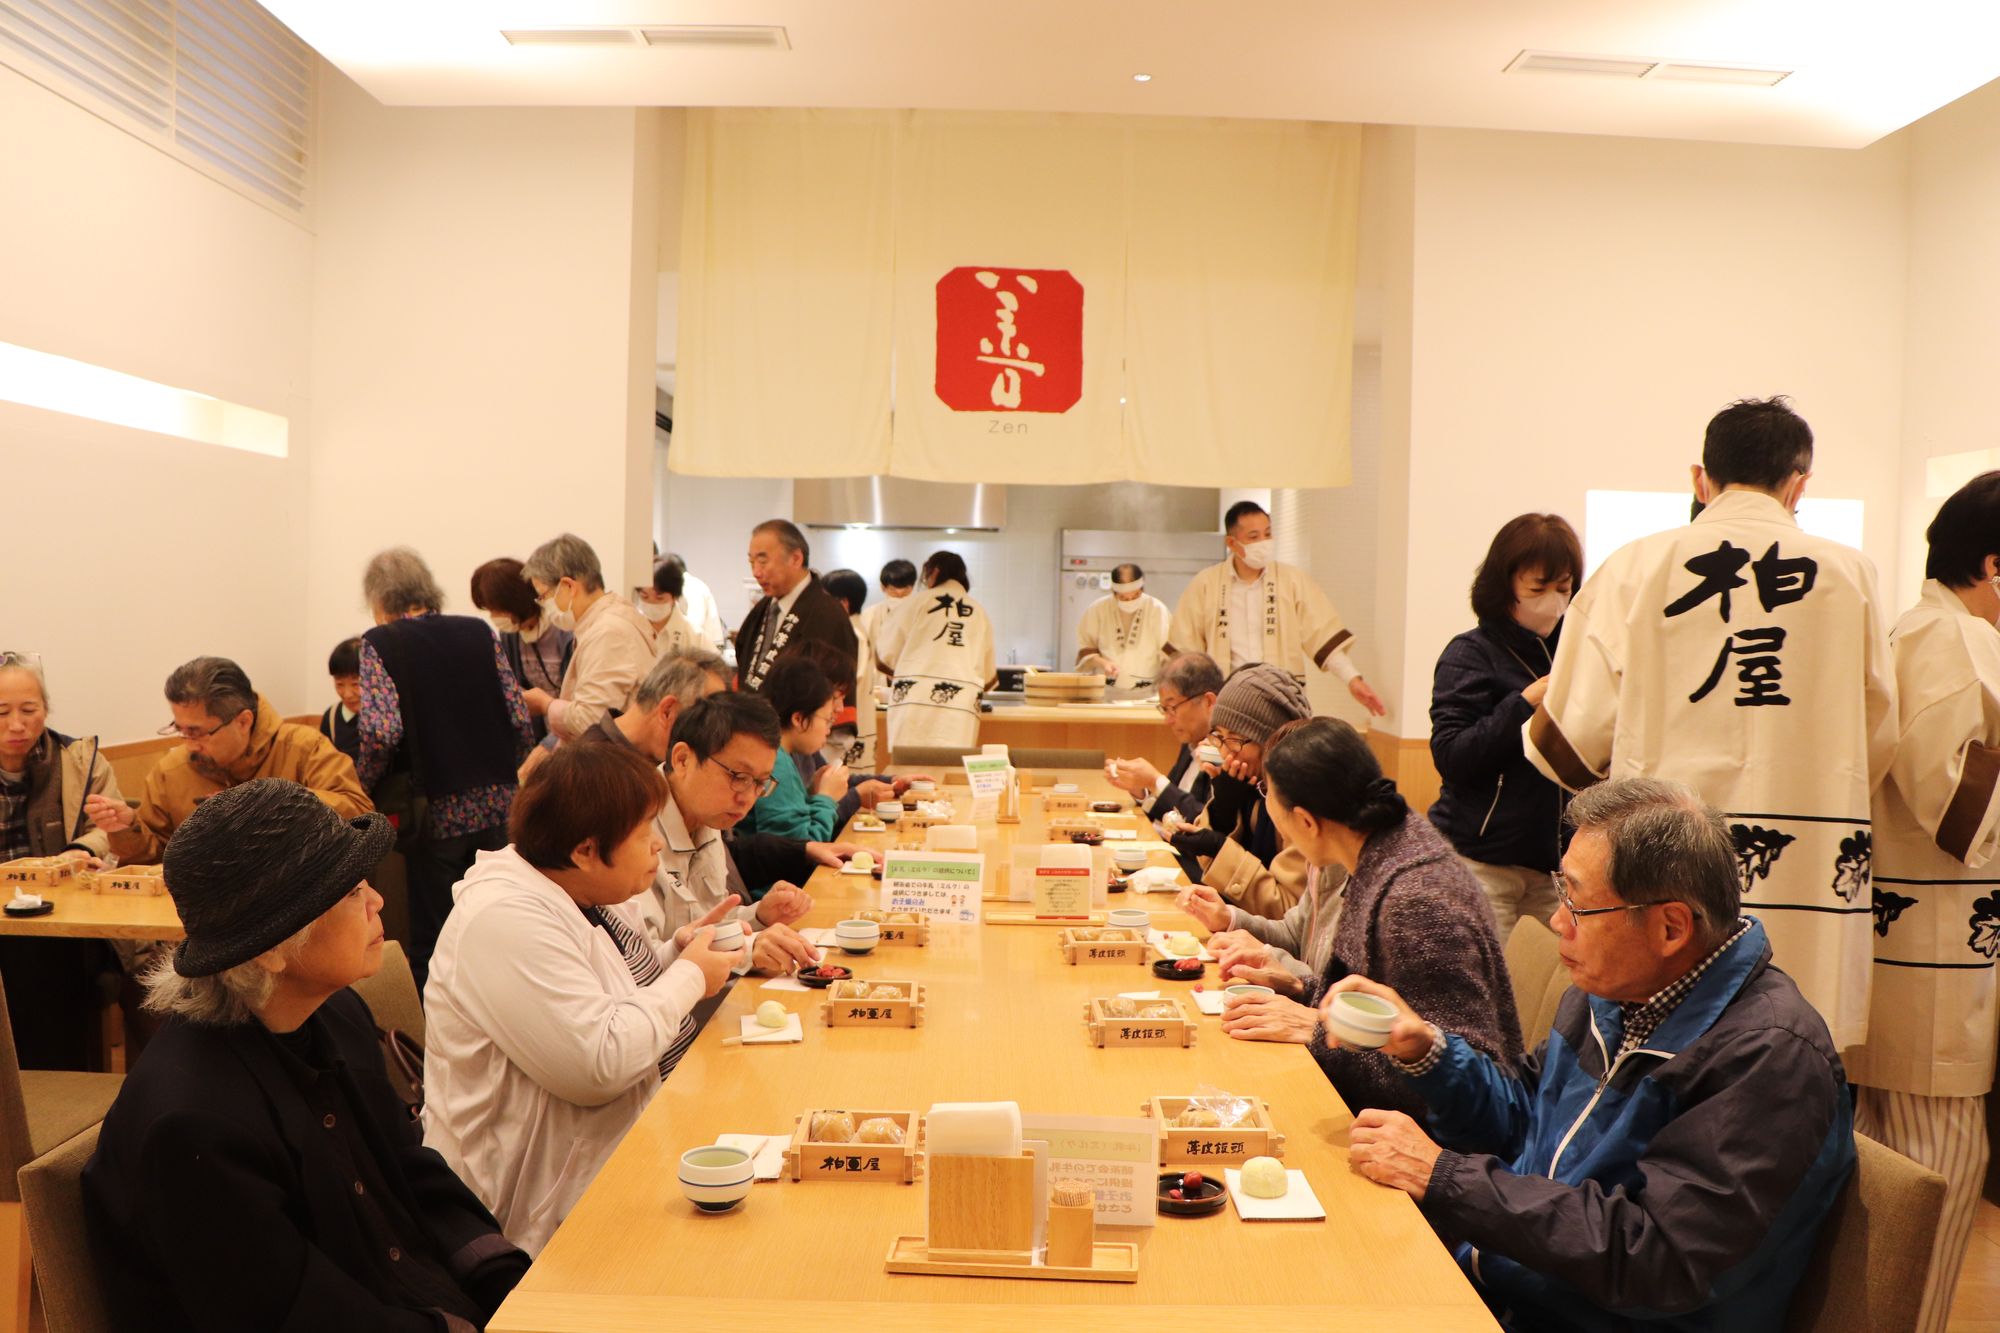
<point x="892" y="502"/>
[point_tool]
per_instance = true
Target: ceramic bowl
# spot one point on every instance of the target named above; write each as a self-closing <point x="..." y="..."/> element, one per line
<point x="1129" y="858"/>
<point x="1244" y="991"/>
<point x="889" y="812"/>
<point x="923" y="789"/>
<point x="728" y="937"/>
<point x="1360" y="1020"/>
<point x="1129" y="918"/>
<point x="856" y="936"/>
<point x="1209" y="754"/>
<point x="716" y="1179"/>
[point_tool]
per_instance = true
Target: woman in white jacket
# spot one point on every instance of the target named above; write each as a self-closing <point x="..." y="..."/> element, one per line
<point x="551" y="1020"/>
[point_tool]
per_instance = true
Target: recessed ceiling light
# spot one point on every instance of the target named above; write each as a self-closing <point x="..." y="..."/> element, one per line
<point x="1142" y="78"/>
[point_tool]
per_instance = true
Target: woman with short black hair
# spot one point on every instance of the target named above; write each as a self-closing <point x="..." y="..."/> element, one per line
<point x="1385" y="893"/>
<point x="1497" y="809"/>
<point x="805" y="701"/>
<point x="551" y="1019"/>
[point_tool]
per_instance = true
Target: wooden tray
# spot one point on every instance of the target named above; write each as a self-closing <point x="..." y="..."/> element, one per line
<point x="1026" y="917"/>
<point x="1102" y="951"/>
<point x="1258" y="1137"/>
<point x="1107" y="1031"/>
<point x="907" y="1012"/>
<point x="917" y="933"/>
<point x="136" y="881"/>
<point x="38" y="872"/>
<point x="894" y="1162"/>
<point x="1113" y="1261"/>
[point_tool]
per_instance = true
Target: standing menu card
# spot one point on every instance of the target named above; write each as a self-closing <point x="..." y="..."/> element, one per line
<point x="944" y="886"/>
<point x="1117" y="1156"/>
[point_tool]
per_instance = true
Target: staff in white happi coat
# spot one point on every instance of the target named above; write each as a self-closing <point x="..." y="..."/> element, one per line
<point x="940" y="649"/>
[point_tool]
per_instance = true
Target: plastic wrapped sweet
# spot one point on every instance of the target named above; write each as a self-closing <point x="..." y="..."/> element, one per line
<point x="876" y="916"/>
<point x="883" y="991"/>
<point x="850" y="990"/>
<point x="1197" y="1116"/>
<point x="1224" y="1110"/>
<point x="879" y="1129"/>
<point x="832" y="1127"/>
<point x="904" y="919"/>
<point x="1115" y="935"/>
<point x="1086" y="934"/>
<point x="1163" y="1009"/>
<point x="1120" y="1009"/>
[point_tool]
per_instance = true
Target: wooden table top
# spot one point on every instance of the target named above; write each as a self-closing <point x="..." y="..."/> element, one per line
<point x="1003" y="1021"/>
<point x="99" y="916"/>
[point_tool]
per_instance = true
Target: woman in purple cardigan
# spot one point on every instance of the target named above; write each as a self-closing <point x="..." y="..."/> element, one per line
<point x="1405" y="906"/>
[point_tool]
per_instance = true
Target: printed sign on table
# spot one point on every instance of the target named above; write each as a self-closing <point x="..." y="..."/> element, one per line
<point x="944" y="886"/>
<point x="1117" y="1156"/>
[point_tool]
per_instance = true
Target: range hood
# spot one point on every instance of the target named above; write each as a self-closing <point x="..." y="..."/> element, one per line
<point x="892" y="502"/>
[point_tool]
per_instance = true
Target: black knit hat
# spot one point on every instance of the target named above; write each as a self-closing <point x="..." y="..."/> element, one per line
<point x="254" y="865"/>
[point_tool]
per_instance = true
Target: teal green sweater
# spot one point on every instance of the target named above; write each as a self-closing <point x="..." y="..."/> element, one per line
<point x="789" y="810"/>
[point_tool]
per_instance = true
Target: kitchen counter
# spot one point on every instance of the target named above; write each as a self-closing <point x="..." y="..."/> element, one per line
<point x="1129" y="728"/>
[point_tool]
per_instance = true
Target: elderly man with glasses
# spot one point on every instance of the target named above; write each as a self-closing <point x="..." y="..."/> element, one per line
<point x="1670" y="1151"/>
<point x="1188" y="686"/>
<point x="229" y="734"/>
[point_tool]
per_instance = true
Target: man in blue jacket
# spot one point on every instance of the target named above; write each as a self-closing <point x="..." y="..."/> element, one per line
<point x="1668" y="1156"/>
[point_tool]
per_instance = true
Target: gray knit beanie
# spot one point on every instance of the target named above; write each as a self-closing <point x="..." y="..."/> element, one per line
<point x="1257" y="699"/>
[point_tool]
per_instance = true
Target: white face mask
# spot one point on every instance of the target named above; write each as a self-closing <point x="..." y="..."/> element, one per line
<point x="505" y="624"/>
<point x="657" y="612"/>
<point x="529" y="635"/>
<point x="555" y="617"/>
<point x="1257" y="555"/>
<point x="1542" y="612"/>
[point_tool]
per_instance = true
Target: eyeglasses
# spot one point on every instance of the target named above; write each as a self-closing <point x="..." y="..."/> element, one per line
<point x="1228" y="744"/>
<point x="743" y="784"/>
<point x="194" y="733"/>
<point x="1579" y="913"/>
<point x="1169" y="709"/>
<point x="10" y="658"/>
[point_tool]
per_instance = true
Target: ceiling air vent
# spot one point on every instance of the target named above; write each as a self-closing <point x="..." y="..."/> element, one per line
<point x="1645" y="67"/>
<point x="570" y="36"/>
<point x="770" y="38"/>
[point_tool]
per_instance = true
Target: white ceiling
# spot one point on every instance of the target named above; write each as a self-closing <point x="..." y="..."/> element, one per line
<point x="1864" y="67"/>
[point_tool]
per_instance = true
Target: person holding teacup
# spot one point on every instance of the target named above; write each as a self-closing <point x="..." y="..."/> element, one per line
<point x="552" y="1015"/>
<point x="1390" y="899"/>
<point x="1675" y="1144"/>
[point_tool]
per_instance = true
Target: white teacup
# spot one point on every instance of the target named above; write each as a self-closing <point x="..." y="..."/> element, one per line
<point x="1360" y="1020"/>
<point x="728" y="936"/>
<point x="1065" y="789"/>
<point x="923" y="788"/>
<point x="857" y="936"/>
<point x="888" y="811"/>
<point x="1208" y="754"/>
<point x="1245" y="991"/>
<point x="716" y="1179"/>
<point x="1129" y="918"/>
<point x="1129" y="858"/>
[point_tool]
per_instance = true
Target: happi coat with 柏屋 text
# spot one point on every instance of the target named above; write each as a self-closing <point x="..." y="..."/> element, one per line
<point x="1748" y="659"/>
<point x="939" y="648"/>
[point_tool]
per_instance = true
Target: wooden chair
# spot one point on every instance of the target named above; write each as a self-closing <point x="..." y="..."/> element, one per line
<point x="391" y="994"/>
<point x="1867" y="1271"/>
<point x="39" y="1110"/>
<point x="65" y="1266"/>
<point x="1534" y="964"/>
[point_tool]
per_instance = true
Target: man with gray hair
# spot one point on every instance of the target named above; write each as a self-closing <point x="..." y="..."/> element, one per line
<point x="443" y="729"/>
<point x="614" y="643"/>
<point x="1188" y="686"/>
<point x="795" y="610"/>
<point x="229" y="735"/>
<point x="1634" y="1168"/>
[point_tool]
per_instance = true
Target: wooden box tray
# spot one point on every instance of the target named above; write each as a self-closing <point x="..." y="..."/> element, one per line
<point x="894" y="1162"/>
<point x="1255" y="1137"/>
<point x="137" y="881"/>
<point x="1112" y="1261"/>
<point x="1106" y="1030"/>
<point x="906" y="1011"/>
<point x="1082" y="944"/>
<point x="900" y="933"/>
<point x="37" y="872"/>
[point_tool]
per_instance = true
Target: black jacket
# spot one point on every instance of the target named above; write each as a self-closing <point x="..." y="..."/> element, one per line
<point x="1188" y="797"/>
<point x="1496" y="806"/>
<point x="216" y="1202"/>
<point x="816" y="618"/>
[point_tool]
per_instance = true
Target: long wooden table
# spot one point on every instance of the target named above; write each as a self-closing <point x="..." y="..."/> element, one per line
<point x="1003" y="1022"/>
<point x="81" y="914"/>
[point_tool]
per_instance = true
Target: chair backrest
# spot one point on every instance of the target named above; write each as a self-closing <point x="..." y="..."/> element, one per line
<point x="391" y="994"/>
<point x="1534" y="965"/>
<point x="15" y="1144"/>
<point x="933" y="756"/>
<point x="65" y="1268"/>
<point x="1867" y="1270"/>
<point x="1024" y="757"/>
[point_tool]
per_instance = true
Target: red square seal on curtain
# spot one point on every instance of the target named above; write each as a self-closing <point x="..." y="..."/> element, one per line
<point x="1009" y="340"/>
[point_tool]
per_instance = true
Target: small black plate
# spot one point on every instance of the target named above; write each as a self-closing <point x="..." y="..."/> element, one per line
<point x="1211" y="1197"/>
<point x="1106" y="807"/>
<point x="805" y="977"/>
<point x="1165" y="970"/>
<point x="46" y="907"/>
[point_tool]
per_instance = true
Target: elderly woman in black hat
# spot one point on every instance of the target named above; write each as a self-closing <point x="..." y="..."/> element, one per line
<point x="1241" y="853"/>
<point x="257" y="1170"/>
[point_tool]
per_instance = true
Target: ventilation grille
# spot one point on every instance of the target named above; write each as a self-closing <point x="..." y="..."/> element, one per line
<point x="699" y="35"/>
<point x="1644" y="67"/>
<point x="218" y="83"/>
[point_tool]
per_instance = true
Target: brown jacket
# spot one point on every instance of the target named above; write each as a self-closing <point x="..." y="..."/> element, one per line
<point x="1245" y="882"/>
<point x="55" y="809"/>
<point x="277" y="749"/>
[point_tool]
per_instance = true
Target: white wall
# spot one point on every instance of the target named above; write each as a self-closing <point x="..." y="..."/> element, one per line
<point x="484" y="297"/>
<point x="1953" y="340"/>
<point x="1583" y="305"/>
<point x="129" y="553"/>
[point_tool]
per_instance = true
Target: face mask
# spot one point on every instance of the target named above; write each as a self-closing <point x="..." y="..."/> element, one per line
<point x="657" y="612"/>
<point x="1258" y="554"/>
<point x="530" y="635"/>
<point x="505" y="624"/>
<point x="1541" y="612"/>
<point x="555" y="617"/>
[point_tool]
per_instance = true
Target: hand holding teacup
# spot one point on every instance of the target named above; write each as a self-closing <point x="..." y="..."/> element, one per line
<point x="1367" y="1014"/>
